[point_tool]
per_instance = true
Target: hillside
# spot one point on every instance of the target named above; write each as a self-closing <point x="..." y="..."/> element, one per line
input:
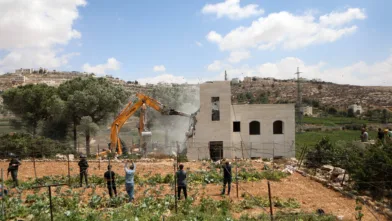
<point x="259" y="90"/>
<point x="327" y="94"/>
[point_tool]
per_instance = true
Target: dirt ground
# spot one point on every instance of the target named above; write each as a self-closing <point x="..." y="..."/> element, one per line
<point x="310" y="194"/>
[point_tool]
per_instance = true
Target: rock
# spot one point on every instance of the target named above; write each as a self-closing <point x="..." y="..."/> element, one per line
<point x="71" y="157"/>
<point x="327" y="168"/>
<point x="388" y="212"/>
<point x="61" y="157"/>
<point x="30" y="217"/>
<point x="338" y="171"/>
<point x="340" y="217"/>
<point x="340" y="178"/>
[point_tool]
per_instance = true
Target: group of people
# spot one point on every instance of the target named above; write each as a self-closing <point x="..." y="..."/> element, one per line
<point x="181" y="176"/>
<point x="110" y="177"/>
<point x="383" y="135"/>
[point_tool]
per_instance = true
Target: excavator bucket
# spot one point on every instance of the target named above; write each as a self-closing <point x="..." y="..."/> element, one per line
<point x="146" y="134"/>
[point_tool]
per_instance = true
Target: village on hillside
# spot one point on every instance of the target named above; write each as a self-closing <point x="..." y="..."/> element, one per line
<point x="257" y="121"/>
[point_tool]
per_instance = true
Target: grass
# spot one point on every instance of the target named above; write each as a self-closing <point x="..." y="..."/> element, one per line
<point x="311" y="138"/>
<point x="333" y="121"/>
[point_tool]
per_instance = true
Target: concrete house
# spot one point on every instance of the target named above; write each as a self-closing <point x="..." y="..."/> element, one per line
<point x="356" y="108"/>
<point x="307" y="110"/>
<point x="226" y="130"/>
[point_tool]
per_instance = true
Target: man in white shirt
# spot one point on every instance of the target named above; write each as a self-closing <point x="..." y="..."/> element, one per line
<point x="129" y="179"/>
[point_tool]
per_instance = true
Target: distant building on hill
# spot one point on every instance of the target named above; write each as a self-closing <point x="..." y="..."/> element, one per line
<point x="307" y="110"/>
<point x="357" y="109"/>
<point x="23" y="71"/>
<point x="235" y="80"/>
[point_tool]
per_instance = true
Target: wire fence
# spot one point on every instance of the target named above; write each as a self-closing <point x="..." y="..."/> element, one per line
<point x="68" y="158"/>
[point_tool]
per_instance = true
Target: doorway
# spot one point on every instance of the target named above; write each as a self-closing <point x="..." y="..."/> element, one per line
<point x="216" y="150"/>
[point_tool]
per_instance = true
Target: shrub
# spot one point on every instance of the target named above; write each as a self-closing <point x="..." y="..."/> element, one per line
<point x="26" y="145"/>
<point x="323" y="153"/>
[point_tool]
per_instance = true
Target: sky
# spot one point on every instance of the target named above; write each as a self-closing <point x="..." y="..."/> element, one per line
<point x="178" y="41"/>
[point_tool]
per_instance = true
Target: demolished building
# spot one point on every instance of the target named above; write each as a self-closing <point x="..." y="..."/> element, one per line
<point x="226" y="130"/>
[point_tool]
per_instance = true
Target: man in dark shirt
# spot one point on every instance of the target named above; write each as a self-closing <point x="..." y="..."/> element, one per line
<point x="110" y="181"/>
<point x="181" y="181"/>
<point x="227" y="178"/>
<point x="13" y="169"/>
<point x="380" y="134"/>
<point x="83" y="166"/>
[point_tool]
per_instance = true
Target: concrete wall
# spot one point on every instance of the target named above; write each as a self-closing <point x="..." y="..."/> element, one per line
<point x="356" y="108"/>
<point x="208" y="130"/>
<point x="266" y="144"/>
<point x="241" y="144"/>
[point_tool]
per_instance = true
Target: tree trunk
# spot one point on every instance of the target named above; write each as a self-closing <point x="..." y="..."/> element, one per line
<point x="88" y="144"/>
<point x="75" y="136"/>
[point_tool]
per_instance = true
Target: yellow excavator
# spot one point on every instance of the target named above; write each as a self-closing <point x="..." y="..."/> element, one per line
<point x="142" y="102"/>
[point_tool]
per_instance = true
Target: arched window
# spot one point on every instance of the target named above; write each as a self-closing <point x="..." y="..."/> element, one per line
<point x="254" y="128"/>
<point x="278" y="127"/>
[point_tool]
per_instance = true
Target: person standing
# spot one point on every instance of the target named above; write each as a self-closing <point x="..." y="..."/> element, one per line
<point x="13" y="169"/>
<point x="83" y="166"/>
<point x="227" y="178"/>
<point x="110" y="181"/>
<point x="129" y="180"/>
<point x="364" y="135"/>
<point x="380" y="134"/>
<point x="181" y="181"/>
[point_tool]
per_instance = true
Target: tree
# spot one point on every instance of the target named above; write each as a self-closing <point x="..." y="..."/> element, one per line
<point x="332" y="111"/>
<point x="88" y="128"/>
<point x="31" y="103"/>
<point x="320" y="86"/>
<point x="94" y="97"/>
<point x="385" y="116"/>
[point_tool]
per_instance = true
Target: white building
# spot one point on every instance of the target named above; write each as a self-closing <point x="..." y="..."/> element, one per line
<point x="235" y="81"/>
<point x="23" y="71"/>
<point x="356" y="108"/>
<point x="19" y="79"/>
<point x="307" y="110"/>
<point x="224" y="130"/>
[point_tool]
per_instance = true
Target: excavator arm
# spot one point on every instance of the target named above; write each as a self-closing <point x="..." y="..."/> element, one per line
<point x="128" y="111"/>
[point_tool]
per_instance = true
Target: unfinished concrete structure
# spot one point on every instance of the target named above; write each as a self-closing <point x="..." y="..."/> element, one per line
<point x="224" y="130"/>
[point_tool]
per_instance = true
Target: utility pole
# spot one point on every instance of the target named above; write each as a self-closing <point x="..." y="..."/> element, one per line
<point x="299" y="102"/>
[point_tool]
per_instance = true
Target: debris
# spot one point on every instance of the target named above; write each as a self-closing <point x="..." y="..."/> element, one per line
<point x="340" y="178"/>
<point x="71" y="157"/>
<point x="289" y="169"/>
<point x="327" y="168"/>
<point x="61" y="157"/>
<point x="338" y="171"/>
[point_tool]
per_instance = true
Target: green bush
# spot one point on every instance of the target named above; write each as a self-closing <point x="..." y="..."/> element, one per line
<point x="370" y="169"/>
<point x="324" y="153"/>
<point x="26" y="145"/>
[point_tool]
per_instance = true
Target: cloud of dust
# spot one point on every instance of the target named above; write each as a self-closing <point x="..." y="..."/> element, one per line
<point x="180" y="124"/>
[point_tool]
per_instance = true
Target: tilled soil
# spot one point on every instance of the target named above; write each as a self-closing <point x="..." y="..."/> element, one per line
<point x="310" y="194"/>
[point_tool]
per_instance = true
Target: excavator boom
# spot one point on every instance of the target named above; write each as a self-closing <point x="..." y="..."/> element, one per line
<point x="130" y="110"/>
